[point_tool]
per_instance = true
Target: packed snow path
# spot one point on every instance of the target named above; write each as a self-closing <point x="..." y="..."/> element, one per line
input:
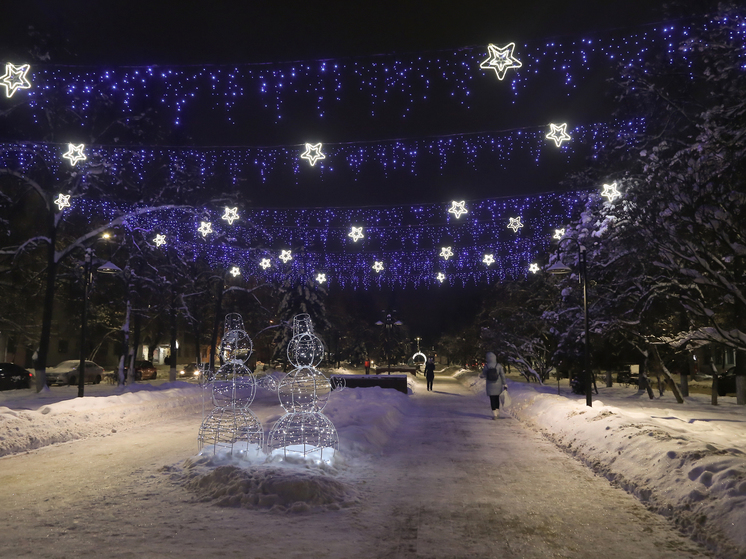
<point x="449" y="483"/>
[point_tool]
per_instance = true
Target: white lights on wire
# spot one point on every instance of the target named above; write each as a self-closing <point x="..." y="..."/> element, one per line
<point x="159" y="240"/>
<point x="230" y="215"/>
<point x="611" y="192"/>
<point x="488" y="259"/>
<point x="265" y="263"/>
<point x="533" y="268"/>
<point x="440" y="277"/>
<point x="558" y="134"/>
<point x="313" y="153"/>
<point x="321" y="278"/>
<point x="205" y="227"/>
<point x="515" y="224"/>
<point x="356" y="233"/>
<point x="235" y="271"/>
<point x="74" y="153"/>
<point x="378" y="266"/>
<point x="63" y="201"/>
<point x="558" y="234"/>
<point x="458" y="209"/>
<point x="286" y="256"/>
<point x="500" y="60"/>
<point x="15" y="78"/>
<point x="446" y="252"/>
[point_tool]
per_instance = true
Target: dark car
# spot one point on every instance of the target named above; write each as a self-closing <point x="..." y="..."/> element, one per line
<point x="14" y="376"/>
<point x="144" y="370"/>
<point x="190" y="372"/>
<point x="727" y="382"/>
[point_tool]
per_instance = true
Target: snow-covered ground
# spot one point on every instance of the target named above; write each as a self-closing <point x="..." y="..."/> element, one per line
<point x="138" y="447"/>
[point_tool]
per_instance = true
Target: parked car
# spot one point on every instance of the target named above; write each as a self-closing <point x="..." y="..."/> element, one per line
<point x="67" y="373"/>
<point x="190" y="372"/>
<point x="727" y="382"/>
<point x="14" y="376"/>
<point x="144" y="370"/>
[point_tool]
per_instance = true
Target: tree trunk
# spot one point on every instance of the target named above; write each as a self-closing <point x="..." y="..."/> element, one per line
<point x="172" y="359"/>
<point x="216" y="325"/>
<point x="667" y="374"/>
<point x="46" y="322"/>
<point x="125" y="343"/>
<point x="135" y="347"/>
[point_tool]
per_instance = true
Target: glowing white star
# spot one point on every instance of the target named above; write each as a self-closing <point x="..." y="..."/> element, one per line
<point x="458" y="209"/>
<point x="515" y="224"/>
<point x="488" y="259"/>
<point x="159" y="240"/>
<point x="378" y="266"/>
<point x="235" y="271"/>
<point x="321" y="278"/>
<point x="611" y="192"/>
<point x="74" y="153"/>
<point x="559" y="233"/>
<point x="501" y="58"/>
<point x="286" y="256"/>
<point x="446" y="252"/>
<point x="265" y="263"/>
<point x="558" y="134"/>
<point x="230" y="215"/>
<point x="15" y="78"/>
<point x="356" y="233"/>
<point x="533" y="268"/>
<point x="313" y="153"/>
<point x="440" y="277"/>
<point x="205" y="227"/>
<point x="63" y="201"/>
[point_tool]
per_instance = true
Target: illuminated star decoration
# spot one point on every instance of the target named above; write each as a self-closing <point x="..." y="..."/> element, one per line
<point x="74" y="153"/>
<point x="356" y="233"/>
<point x="378" y="266"/>
<point x="15" y="79"/>
<point x="285" y="256"/>
<point x="501" y="58"/>
<point x="488" y="259"/>
<point x="159" y="240"/>
<point x="611" y="192"/>
<point x="230" y="215"/>
<point x="533" y="268"/>
<point x="558" y="134"/>
<point x="515" y="224"/>
<point x="313" y="153"/>
<point x="265" y="263"/>
<point x="63" y="201"/>
<point x="440" y="277"/>
<point x="235" y="271"/>
<point x="458" y="209"/>
<point x="558" y="234"/>
<point x="321" y="278"/>
<point x="446" y="252"/>
<point x="205" y="228"/>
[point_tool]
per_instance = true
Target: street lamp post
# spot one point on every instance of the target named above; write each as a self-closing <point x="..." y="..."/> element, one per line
<point x="560" y="269"/>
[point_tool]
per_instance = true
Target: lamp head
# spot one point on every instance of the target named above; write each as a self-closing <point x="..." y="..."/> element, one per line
<point x="558" y="269"/>
<point x="109" y="268"/>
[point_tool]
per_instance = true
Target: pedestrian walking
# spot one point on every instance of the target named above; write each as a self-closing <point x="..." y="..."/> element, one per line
<point x="494" y="376"/>
<point x="430" y="372"/>
<point x="367" y="366"/>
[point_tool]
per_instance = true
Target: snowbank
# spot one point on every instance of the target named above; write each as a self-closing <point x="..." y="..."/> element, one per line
<point x="684" y="461"/>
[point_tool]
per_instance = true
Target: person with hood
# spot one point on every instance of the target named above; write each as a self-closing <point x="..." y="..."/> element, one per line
<point x="494" y="375"/>
<point x="430" y="372"/>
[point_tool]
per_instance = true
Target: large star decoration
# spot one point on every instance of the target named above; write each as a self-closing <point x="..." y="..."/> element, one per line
<point x="378" y="266"/>
<point x="205" y="227"/>
<point x="265" y="263"/>
<point x="458" y="209"/>
<point x="74" y="153"/>
<point x="15" y="79"/>
<point x="235" y="271"/>
<point x="440" y="277"/>
<point x="558" y="134"/>
<point x="501" y="58"/>
<point x="611" y="192"/>
<point x="159" y="240"/>
<point x="321" y="278"/>
<point x="446" y="252"/>
<point x="356" y="233"/>
<point x="533" y="268"/>
<point x="63" y="201"/>
<point x="515" y="224"/>
<point x="313" y="153"/>
<point x="230" y="215"/>
<point x="286" y="256"/>
<point x="488" y="259"/>
<point x="559" y="233"/>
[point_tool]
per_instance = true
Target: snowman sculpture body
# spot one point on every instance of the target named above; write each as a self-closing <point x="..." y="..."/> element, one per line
<point x="304" y="432"/>
<point x="231" y="427"/>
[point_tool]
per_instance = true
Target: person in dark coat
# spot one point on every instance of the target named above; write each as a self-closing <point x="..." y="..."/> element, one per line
<point x="494" y="387"/>
<point x="430" y="372"/>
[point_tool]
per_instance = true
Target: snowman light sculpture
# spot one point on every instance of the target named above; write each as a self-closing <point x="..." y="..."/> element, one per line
<point x="231" y="427"/>
<point x="303" y="433"/>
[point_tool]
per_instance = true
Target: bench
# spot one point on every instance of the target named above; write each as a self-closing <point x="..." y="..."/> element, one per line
<point x="397" y="369"/>
<point x="397" y="382"/>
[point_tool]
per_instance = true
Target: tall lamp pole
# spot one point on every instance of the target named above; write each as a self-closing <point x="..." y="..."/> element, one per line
<point x="560" y="269"/>
<point x="84" y="321"/>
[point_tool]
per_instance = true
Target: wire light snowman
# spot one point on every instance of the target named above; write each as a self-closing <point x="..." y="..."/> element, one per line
<point x="232" y="427"/>
<point x="304" y="432"/>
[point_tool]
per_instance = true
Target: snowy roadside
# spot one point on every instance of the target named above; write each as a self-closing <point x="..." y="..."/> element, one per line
<point x="684" y="461"/>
